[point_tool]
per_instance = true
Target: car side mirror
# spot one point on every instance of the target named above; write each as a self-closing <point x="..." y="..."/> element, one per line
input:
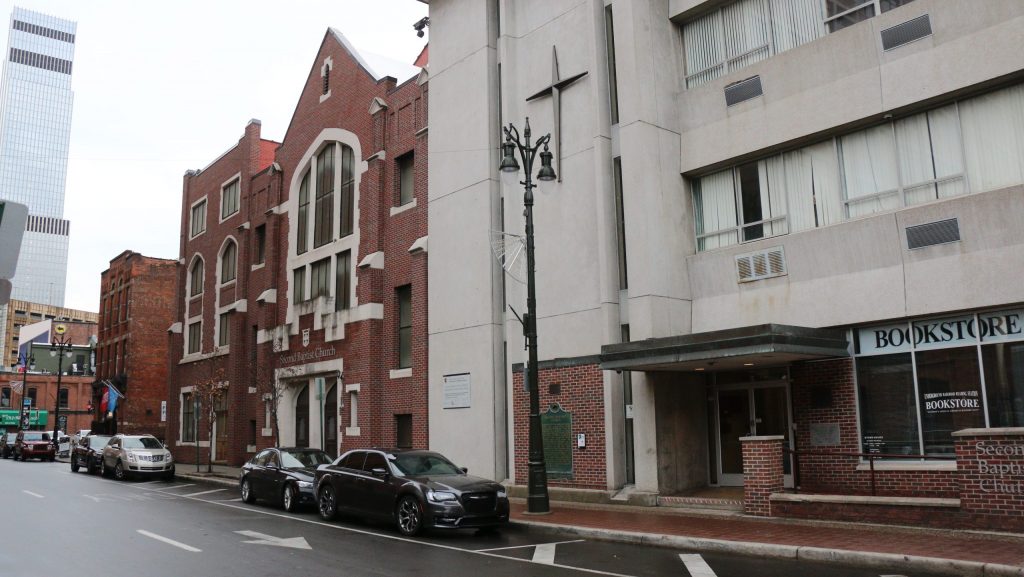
<point x="464" y="469"/>
<point x="379" y="472"/>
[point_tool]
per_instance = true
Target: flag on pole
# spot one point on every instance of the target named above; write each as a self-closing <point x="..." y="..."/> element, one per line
<point x="112" y="395"/>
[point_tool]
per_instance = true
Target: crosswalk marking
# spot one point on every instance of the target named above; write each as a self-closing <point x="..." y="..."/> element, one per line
<point x="696" y="565"/>
<point x="545" y="554"/>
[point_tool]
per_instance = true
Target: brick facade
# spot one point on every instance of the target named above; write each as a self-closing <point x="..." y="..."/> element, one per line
<point x="814" y="383"/>
<point x="991" y="477"/>
<point x="79" y="397"/>
<point x="276" y="340"/>
<point x="762" y="474"/>
<point x="136" y="308"/>
<point x="579" y="390"/>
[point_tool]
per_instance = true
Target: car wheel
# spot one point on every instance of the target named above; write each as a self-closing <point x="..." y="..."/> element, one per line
<point x="119" y="472"/>
<point x="90" y="466"/>
<point x="74" y="464"/>
<point x="409" y="516"/>
<point x="247" y="495"/>
<point x="290" y="498"/>
<point x="328" y="502"/>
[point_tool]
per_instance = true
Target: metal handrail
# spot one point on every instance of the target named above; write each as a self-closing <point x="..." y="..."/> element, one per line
<point x="870" y="458"/>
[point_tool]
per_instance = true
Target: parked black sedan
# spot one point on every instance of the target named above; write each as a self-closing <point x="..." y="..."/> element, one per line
<point x="88" y="453"/>
<point x="413" y="489"/>
<point x="281" y="475"/>
<point x="7" y="444"/>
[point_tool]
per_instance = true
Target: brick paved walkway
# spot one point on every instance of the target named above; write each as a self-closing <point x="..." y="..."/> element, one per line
<point x="1007" y="550"/>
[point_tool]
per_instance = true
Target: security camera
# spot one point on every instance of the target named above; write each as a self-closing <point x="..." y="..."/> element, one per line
<point x="420" y="25"/>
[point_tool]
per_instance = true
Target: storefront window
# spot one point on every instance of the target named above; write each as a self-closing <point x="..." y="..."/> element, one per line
<point x="949" y="383"/>
<point x="887" y="407"/>
<point x="949" y="393"/>
<point x="1004" y="381"/>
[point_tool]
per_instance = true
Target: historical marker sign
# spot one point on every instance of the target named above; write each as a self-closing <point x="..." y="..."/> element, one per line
<point x="457" y="392"/>
<point x="556" y="428"/>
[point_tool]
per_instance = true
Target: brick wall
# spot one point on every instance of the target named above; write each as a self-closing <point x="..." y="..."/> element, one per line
<point x="811" y="383"/>
<point x="762" y="473"/>
<point x="581" y="392"/>
<point x="991" y="475"/>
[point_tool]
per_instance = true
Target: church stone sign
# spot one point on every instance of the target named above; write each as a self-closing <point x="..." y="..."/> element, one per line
<point x="556" y="428"/>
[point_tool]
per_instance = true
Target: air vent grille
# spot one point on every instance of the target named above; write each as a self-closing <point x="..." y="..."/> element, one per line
<point x="743" y="90"/>
<point x="907" y="32"/>
<point x="761" y="264"/>
<point x="933" y="233"/>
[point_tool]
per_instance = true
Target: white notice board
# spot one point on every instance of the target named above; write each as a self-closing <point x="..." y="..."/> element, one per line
<point x="456" y="391"/>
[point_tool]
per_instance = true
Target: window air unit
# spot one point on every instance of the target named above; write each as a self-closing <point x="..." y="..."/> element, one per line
<point x="933" y="233"/>
<point x="743" y="90"/>
<point x="907" y="32"/>
<point x="762" y="264"/>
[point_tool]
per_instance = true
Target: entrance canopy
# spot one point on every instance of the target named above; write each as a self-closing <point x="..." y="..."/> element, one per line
<point x="729" y="349"/>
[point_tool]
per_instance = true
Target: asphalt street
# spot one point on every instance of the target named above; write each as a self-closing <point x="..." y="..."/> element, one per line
<point x="63" y="523"/>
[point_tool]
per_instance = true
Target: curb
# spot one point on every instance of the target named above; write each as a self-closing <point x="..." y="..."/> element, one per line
<point x="938" y="566"/>
<point x="211" y="479"/>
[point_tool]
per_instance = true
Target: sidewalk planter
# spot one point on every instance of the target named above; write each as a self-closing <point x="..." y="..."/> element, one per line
<point x="762" y="473"/>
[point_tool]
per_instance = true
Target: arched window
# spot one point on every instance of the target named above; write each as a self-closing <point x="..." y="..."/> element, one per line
<point x="302" y="418"/>
<point x="323" y="211"/>
<point x="302" y="233"/>
<point x="196" y="278"/>
<point x="228" y="259"/>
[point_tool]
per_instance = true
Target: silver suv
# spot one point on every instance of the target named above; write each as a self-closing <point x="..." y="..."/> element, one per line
<point x="136" y="456"/>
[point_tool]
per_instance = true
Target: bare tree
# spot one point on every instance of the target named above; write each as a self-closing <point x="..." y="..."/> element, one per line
<point x="210" y="391"/>
<point x="271" y="390"/>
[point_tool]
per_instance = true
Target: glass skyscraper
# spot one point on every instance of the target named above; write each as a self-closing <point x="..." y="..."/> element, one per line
<point x="35" y="127"/>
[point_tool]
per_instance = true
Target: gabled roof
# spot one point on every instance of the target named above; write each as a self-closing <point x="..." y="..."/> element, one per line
<point x="376" y="65"/>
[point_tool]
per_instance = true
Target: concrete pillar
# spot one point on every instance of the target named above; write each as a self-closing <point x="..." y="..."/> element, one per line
<point x="762" y="473"/>
<point x="990" y="475"/>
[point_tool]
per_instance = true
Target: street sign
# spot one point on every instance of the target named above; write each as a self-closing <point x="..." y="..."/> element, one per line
<point x="60" y="329"/>
<point x="163" y="411"/>
<point x="26" y="403"/>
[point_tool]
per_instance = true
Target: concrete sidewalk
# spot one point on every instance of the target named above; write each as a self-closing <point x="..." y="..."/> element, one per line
<point x="959" y="553"/>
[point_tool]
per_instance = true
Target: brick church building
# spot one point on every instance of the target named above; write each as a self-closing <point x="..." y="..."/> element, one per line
<point x="301" y="310"/>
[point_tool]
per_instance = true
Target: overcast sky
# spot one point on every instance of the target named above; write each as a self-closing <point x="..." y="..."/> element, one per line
<point x="163" y="87"/>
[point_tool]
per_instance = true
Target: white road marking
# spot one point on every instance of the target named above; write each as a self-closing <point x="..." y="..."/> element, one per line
<point x="264" y="539"/>
<point x="149" y="482"/>
<point x="545" y="554"/>
<point x="181" y="486"/>
<point x="696" y="565"/>
<point x="37" y="495"/>
<point x="393" y="537"/>
<point x="169" y="541"/>
<point x="95" y="499"/>
<point x="531" y="545"/>
<point x="204" y="492"/>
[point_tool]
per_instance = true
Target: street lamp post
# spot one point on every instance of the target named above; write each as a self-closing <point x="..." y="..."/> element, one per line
<point x="25" y="362"/>
<point x="537" y="481"/>
<point x="58" y="346"/>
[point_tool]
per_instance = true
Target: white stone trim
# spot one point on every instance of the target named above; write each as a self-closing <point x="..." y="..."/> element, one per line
<point x="377" y="104"/>
<point x="267" y="296"/>
<point x="328" y="63"/>
<point x="932" y="465"/>
<point x="352" y="388"/>
<point x="373" y="260"/>
<point x="419" y="246"/>
<point x="403" y="207"/>
<point x="401" y="373"/>
<point x="257" y="266"/>
<point x="175" y="329"/>
<point x="352" y="431"/>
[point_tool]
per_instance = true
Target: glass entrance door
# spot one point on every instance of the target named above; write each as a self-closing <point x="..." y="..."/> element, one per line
<point x="748" y="411"/>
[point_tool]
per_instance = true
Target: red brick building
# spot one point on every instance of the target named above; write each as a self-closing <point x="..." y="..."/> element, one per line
<point x="303" y="290"/>
<point x="42" y="389"/>
<point x="136" y="307"/>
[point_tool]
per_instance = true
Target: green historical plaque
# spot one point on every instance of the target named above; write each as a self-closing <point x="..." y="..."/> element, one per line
<point x="556" y="429"/>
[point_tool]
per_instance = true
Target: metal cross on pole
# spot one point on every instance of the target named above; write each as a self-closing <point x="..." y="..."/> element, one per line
<point x="555" y="91"/>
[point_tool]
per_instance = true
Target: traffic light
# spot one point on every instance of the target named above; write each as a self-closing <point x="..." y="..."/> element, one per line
<point x="13" y="217"/>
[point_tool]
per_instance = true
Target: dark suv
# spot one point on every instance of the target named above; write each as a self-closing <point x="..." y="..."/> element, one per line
<point x="7" y="444"/>
<point x="88" y="453"/>
<point x="34" y="445"/>
<point x="413" y="489"/>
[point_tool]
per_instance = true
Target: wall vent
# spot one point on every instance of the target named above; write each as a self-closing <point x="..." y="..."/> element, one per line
<point x="933" y="233"/>
<point x="743" y="90"/>
<point x="907" y="32"/>
<point x="762" y="264"/>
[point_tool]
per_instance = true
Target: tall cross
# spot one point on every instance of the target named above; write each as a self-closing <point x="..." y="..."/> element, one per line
<point x="555" y="90"/>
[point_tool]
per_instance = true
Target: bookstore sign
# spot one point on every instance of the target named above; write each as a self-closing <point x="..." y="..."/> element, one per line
<point x="988" y="327"/>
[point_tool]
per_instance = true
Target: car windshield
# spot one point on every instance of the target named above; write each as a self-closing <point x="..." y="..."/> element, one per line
<point x="299" y="459"/>
<point x="142" y="443"/>
<point x="37" y="436"/>
<point x="424" y="464"/>
<point x="96" y="441"/>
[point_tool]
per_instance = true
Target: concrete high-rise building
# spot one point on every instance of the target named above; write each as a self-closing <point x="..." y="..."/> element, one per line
<point x="35" y="127"/>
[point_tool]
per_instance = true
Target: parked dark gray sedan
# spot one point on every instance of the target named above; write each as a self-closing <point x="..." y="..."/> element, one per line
<point x="282" y="475"/>
<point x="413" y="489"/>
